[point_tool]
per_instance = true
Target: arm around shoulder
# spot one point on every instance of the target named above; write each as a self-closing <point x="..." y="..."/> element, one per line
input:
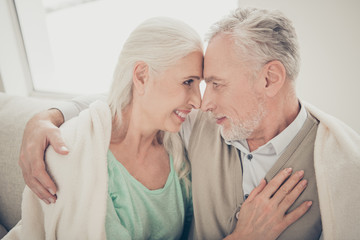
<point x="40" y="131"/>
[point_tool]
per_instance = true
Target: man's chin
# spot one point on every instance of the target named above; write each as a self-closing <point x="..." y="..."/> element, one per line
<point x="226" y="133"/>
<point x="230" y="134"/>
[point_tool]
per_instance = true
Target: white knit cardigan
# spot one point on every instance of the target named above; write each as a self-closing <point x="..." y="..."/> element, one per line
<point x="81" y="179"/>
<point x="337" y="169"/>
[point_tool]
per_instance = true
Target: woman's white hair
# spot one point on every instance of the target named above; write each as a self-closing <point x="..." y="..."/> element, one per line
<point x="261" y="36"/>
<point x="159" y="42"/>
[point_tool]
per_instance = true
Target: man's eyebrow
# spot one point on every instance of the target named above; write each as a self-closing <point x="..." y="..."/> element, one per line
<point x="212" y="78"/>
<point x="192" y="77"/>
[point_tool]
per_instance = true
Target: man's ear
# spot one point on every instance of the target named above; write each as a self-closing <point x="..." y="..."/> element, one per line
<point x="140" y="77"/>
<point x="275" y="76"/>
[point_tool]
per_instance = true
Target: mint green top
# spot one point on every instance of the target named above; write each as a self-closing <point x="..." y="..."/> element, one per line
<point x="135" y="212"/>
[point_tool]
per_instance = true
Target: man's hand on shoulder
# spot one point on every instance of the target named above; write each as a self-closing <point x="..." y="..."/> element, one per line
<point x="40" y="131"/>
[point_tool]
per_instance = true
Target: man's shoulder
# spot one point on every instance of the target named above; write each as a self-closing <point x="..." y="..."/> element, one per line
<point x="332" y="124"/>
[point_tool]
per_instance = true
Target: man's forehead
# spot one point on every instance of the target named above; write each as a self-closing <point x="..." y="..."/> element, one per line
<point x="220" y="41"/>
<point x="219" y="51"/>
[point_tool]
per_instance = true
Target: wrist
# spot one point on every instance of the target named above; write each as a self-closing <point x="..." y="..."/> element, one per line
<point x="52" y="115"/>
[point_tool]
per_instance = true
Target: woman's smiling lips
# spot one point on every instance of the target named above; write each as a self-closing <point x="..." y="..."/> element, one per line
<point x="181" y="114"/>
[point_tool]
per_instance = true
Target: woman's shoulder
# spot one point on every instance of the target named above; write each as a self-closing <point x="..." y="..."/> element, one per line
<point x="87" y="138"/>
<point x="89" y="131"/>
<point x="96" y="118"/>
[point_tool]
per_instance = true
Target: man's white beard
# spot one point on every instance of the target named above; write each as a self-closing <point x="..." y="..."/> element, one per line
<point x="241" y="130"/>
<point x="237" y="131"/>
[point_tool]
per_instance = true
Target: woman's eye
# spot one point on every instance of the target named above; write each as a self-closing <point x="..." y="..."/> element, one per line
<point x="188" y="82"/>
<point x="215" y="84"/>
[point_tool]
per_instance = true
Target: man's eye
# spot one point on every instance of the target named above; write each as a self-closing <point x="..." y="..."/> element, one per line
<point x="188" y="82"/>
<point x="215" y="84"/>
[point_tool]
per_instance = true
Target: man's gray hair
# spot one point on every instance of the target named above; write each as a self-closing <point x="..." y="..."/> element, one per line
<point x="261" y="36"/>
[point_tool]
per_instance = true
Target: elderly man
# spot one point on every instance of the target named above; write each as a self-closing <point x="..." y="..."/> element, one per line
<point x="251" y="64"/>
<point x="257" y="127"/>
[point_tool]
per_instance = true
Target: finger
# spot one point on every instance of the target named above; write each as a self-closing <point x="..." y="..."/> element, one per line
<point x="45" y="190"/>
<point x="292" y="196"/>
<point x="57" y="142"/>
<point x="42" y="192"/>
<point x="288" y="186"/>
<point x="293" y="216"/>
<point x="42" y="177"/>
<point x="46" y="182"/>
<point x="276" y="182"/>
<point x="257" y="190"/>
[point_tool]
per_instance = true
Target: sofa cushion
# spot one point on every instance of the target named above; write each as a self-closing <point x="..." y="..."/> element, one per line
<point x="3" y="231"/>
<point x="14" y="113"/>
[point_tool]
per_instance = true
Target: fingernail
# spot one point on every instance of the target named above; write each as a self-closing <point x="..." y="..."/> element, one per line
<point x="304" y="183"/>
<point x="237" y="215"/>
<point x="51" y="191"/>
<point x="64" y="149"/>
<point x="309" y="203"/>
<point x="46" y="201"/>
<point x="288" y="170"/>
<point x="262" y="182"/>
<point x="51" y="200"/>
<point x="300" y="173"/>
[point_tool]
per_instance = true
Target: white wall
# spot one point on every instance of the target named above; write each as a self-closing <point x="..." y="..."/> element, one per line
<point x="14" y="71"/>
<point x="1" y="84"/>
<point x="329" y="37"/>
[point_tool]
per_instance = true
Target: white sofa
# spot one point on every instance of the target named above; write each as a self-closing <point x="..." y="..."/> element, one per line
<point x="14" y="113"/>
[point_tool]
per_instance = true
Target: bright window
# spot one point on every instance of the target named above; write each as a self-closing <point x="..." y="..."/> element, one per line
<point x="73" y="45"/>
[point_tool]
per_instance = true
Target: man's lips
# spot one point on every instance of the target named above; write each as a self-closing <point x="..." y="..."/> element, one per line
<point x="220" y="120"/>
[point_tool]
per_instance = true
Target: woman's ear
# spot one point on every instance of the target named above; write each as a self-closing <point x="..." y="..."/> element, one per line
<point x="275" y="76"/>
<point x="140" y="77"/>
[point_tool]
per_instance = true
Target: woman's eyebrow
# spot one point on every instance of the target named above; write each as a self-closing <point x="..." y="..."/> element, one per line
<point x="193" y="77"/>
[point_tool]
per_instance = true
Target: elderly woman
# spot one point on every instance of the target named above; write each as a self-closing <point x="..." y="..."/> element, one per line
<point x="126" y="175"/>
